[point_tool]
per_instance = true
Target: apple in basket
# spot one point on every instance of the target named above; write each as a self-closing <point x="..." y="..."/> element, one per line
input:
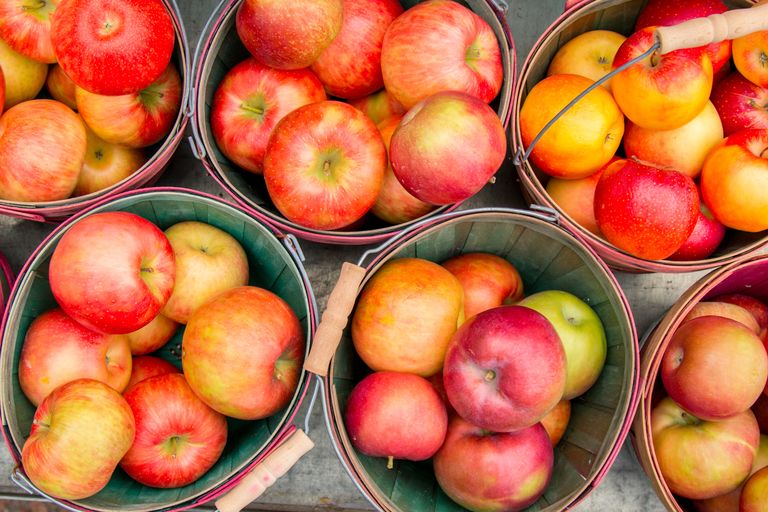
<point x="152" y="336"/>
<point x="24" y="77"/>
<point x="589" y="55"/>
<point x="749" y="55"/>
<point x="145" y="367"/>
<point x="26" y="27"/>
<point x="556" y="421"/>
<point x="705" y="238"/>
<point x="758" y="308"/>
<point x="723" y="309"/>
<point x="754" y="493"/>
<point x="60" y="86"/>
<point x="577" y="198"/>
<point x="379" y="106"/>
<point x="741" y="104"/>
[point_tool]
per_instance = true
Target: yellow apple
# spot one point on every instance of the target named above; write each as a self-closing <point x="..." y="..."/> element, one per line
<point x="589" y="54"/>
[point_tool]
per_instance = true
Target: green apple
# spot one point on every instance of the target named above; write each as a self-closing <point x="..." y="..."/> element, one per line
<point x="24" y="77"/>
<point x="581" y="333"/>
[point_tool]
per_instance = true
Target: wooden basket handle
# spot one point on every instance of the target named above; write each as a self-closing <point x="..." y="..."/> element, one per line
<point x="334" y="320"/>
<point x="266" y="473"/>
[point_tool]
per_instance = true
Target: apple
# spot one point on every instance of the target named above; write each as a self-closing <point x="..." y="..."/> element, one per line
<point x="750" y="54"/>
<point x="289" y="34"/>
<point x="78" y="353"/>
<point x="760" y="409"/>
<point x="42" y="149"/>
<point x="350" y="67"/>
<point x="581" y="333"/>
<point x="758" y="308"/>
<point x="721" y="451"/>
<point x="379" y="106"/>
<point x="152" y="336"/>
<point x="395" y="415"/>
<point x="714" y="367"/>
<point x="589" y="55"/>
<point x="753" y="497"/>
<point x="249" y="102"/>
<point x="324" y="165"/>
<point x="577" y="198"/>
<point x="61" y="87"/>
<point x="112" y="272"/>
<point x="662" y="92"/>
<point x="79" y="434"/>
<point x="726" y="310"/>
<point x="242" y="353"/>
<point x="488" y="281"/>
<point x="505" y="369"/>
<point x="24" y="77"/>
<point x="440" y="45"/>
<point x="137" y="119"/>
<point x="683" y="149"/>
<point x="583" y="140"/>
<point x="733" y="178"/>
<point x="489" y="472"/>
<point x="2" y="90"/>
<point x="106" y="164"/>
<point x="394" y="204"/>
<point x="113" y="48"/>
<point x="556" y="421"/>
<point x="705" y="238"/>
<point x="406" y="315"/>
<point x="740" y="104"/>
<point x="145" y="367"/>
<point x="646" y="211"/>
<point x="178" y="437"/>
<point x="26" y="27"/>
<point x="425" y="155"/>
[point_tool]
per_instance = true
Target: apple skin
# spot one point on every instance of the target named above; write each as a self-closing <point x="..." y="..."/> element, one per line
<point x="646" y="211"/>
<point x="289" y="34"/>
<point x="440" y="45"/>
<point x="398" y="415"/>
<point x="208" y="261"/>
<point x="741" y="104"/>
<point x="2" y="90"/>
<point x="178" y="437"/>
<point x="379" y="106"/>
<point x="750" y="53"/>
<point x="42" y="149"/>
<point x="589" y="55"/>
<point x="663" y="92"/>
<point x="726" y="310"/>
<point x="26" y="27"/>
<point x="733" y="178"/>
<point x="112" y="272"/>
<point x="324" y="165"/>
<point x="61" y="87"/>
<point x="505" y="369"/>
<point x="488" y="281"/>
<point x="137" y="119"/>
<point x="406" y="315"/>
<point x="152" y="336"/>
<point x="556" y="421"/>
<point x="242" y="353"/>
<point x="24" y="77"/>
<point x="714" y="367"/>
<point x="350" y="67"/>
<point x="577" y="198"/>
<point x="705" y="238"/>
<point x="113" y="48"/>
<point x="79" y="434"/>
<point x="426" y="158"/>
<point x="489" y="472"/>
<point x="145" y="367"/>
<point x="754" y="493"/>
<point x="758" y="308"/>
<point x="78" y="353"/>
<point x="581" y="333"/>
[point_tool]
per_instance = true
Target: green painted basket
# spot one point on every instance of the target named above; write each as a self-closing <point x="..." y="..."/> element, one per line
<point x="274" y="265"/>
<point x="547" y="257"/>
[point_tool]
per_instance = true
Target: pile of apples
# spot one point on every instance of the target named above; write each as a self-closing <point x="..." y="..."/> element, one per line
<point x="679" y="184"/>
<point x="107" y="67"/>
<point x="463" y="376"/>
<point x="123" y="288"/>
<point x="425" y="76"/>
<point x="707" y="440"/>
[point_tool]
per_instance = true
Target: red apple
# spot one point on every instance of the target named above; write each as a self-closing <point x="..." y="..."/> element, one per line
<point x="113" y="48"/>
<point x="26" y="27"/>
<point x="178" y="437"/>
<point x="242" y="353"/>
<point x="79" y="434"/>
<point x="440" y="45"/>
<point x="42" y="148"/>
<point x="425" y="155"/>
<point x="577" y="198"/>
<point x="61" y="87"/>
<point x="760" y="409"/>
<point x="758" y="308"/>
<point x="146" y="367"/>
<point x="726" y="310"/>
<point x="324" y="165"/>
<point x="24" y="77"/>
<point x="2" y="90"/>
<point x="505" y="369"/>
<point x="494" y="472"/>
<point x="137" y="119"/>
<point x="740" y="104"/>
<point x="753" y="497"/>
<point x="396" y="415"/>
<point x="152" y="336"/>
<point x="379" y="106"/>
<point x="112" y="272"/>
<point x="556" y="421"/>
<point x="703" y="240"/>
<point x="645" y="211"/>
<point x="750" y="54"/>
<point x="289" y="34"/>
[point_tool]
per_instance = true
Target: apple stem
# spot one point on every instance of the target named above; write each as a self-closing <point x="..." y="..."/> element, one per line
<point x="390" y="462"/>
<point x="490" y="375"/>
<point x="37" y="5"/>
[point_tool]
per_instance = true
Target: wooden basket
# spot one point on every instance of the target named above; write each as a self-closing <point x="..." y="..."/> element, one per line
<point x="547" y="257"/>
<point x="273" y="264"/>
<point x="160" y="153"/>
<point x="6" y="281"/>
<point x="748" y="276"/>
<point x="220" y="49"/>
<point x="619" y="16"/>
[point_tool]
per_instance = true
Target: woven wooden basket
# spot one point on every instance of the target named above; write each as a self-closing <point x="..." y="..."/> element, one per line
<point x="619" y="16"/>
<point x="273" y="265"/>
<point x="220" y="49"/>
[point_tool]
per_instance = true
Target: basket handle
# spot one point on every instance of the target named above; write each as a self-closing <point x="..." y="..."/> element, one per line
<point x="335" y="318"/>
<point x="266" y="473"/>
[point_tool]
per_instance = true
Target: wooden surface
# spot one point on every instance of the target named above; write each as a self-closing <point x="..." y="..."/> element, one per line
<point x="319" y="481"/>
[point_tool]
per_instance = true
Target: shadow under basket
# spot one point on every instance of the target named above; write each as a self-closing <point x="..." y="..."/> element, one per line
<point x="220" y="49"/>
<point x="271" y="266"/>
<point x="547" y="257"/>
<point x="749" y="277"/>
<point x="618" y="16"/>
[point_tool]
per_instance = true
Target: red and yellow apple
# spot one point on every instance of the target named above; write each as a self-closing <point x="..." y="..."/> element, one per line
<point x="379" y="106"/>
<point x="152" y="336"/>
<point x="24" y="77"/>
<point x="705" y="238"/>
<point x="741" y="104"/>
<point x="106" y="164"/>
<point x="577" y="198"/>
<point x="753" y="496"/>
<point x="145" y="367"/>
<point x="589" y="55"/>
<point x="726" y="310"/>
<point x="26" y="27"/>
<point x="750" y="55"/>
<point x="758" y="308"/>
<point x="556" y="421"/>
<point x="61" y="87"/>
